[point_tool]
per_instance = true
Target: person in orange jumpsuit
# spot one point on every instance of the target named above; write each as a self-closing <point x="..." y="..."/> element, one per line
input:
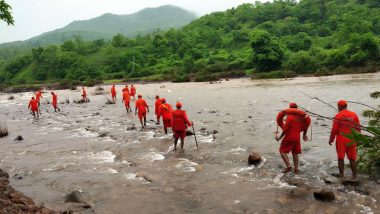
<point x="38" y="96"/>
<point x="113" y="93"/>
<point x="140" y="109"/>
<point x="157" y="105"/>
<point x="55" y="101"/>
<point x="133" y="92"/>
<point x="291" y="140"/>
<point x="165" y="111"/>
<point x="127" y="100"/>
<point x="125" y="89"/>
<point x="180" y="124"/>
<point x="33" y="105"/>
<point x="344" y="123"/>
<point x="84" y="94"/>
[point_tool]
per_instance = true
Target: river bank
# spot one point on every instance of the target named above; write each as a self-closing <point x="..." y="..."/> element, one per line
<point x="100" y="150"/>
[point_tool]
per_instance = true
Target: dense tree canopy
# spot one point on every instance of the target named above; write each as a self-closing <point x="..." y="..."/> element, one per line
<point x="276" y="39"/>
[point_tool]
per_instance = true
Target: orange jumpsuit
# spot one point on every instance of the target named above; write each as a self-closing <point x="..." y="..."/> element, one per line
<point x="33" y="105"/>
<point x="343" y="124"/>
<point x="133" y="91"/>
<point x="166" y="112"/>
<point x="55" y="100"/>
<point x="38" y="96"/>
<point x="126" y="99"/>
<point x="126" y="89"/>
<point x="84" y="94"/>
<point x="141" y="107"/>
<point x="292" y="129"/>
<point x="113" y="91"/>
<point x="157" y="105"/>
<point x="180" y="123"/>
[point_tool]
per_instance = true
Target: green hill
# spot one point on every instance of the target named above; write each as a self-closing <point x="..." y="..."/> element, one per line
<point x="107" y="25"/>
<point x="283" y="38"/>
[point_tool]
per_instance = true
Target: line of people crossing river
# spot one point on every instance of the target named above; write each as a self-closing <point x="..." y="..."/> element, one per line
<point x="292" y="121"/>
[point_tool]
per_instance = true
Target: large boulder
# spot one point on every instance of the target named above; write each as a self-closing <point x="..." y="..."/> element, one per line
<point x="324" y="195"/>
<point x="254" y="157"/>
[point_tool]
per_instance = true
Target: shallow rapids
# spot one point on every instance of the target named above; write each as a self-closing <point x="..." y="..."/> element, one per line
<point x="100" y="149"/>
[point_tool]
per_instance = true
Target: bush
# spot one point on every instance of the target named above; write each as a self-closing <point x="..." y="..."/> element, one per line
<point x="181" y="78"/>
<point x="205" y="76"/>
<point x="301" y="62"/>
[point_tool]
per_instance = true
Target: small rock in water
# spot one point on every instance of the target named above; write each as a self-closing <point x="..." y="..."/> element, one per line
<point x="19" y="138"/>
<point x="328" y="179"/>
<point x="254" y="157"/>
<point x="189" y="133"/>
<point x="4" y="175"/>
<point x="215" y="132"/>
<point x="75" y="197"/>
<point x="17" y="177"/>
<point x="250" y="117"/>
<point x="351" y="182"/>
<point x="131" y="128"/>
<point x="103" y="134"/>
<point x="364" y="190"/>
<point x="145" y="176"/>
<point x="324" y="195"/>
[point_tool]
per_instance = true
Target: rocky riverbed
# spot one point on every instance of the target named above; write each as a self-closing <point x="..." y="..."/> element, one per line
<point x="99" y="151"/>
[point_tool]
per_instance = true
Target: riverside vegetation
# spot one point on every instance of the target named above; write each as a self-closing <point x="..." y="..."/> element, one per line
<point x="280" y="39"/>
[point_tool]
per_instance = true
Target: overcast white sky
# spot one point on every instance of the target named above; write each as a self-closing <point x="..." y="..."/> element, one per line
<point x="34" y="17"/>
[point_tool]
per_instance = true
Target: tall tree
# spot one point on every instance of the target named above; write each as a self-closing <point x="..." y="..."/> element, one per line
<point x="5" y="13"/>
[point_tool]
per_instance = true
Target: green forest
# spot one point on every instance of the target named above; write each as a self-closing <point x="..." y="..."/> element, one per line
<point x="281" y="39"/>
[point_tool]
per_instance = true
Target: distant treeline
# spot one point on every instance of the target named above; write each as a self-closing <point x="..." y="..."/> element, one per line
<point x="279" y="39"/>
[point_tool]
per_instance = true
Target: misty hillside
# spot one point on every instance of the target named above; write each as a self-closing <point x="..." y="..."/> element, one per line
<point x="107" y="25"/>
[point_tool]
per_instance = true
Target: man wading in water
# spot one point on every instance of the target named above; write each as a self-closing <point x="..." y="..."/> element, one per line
<point x="343" y="124"/>
<point x="141" y="106"/>
<point x="33" y="106"/>
<point x="180" y="124"/>
<point x="296" y="122"/>
<point x="165" y="111"/>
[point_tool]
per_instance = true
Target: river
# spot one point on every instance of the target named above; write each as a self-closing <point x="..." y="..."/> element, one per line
<point x="93" y="147"/>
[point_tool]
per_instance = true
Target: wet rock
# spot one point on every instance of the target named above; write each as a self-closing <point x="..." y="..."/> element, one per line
<point x="68" y="212"/>
<point x="19" y="138"/>
<point x="363" y="190"/>
<point x="212" y="112"/>
<point x="104" y="134"/>
<point x="131" y="128"/>
<point x="351" y="182"/>
<point x="250" y="117"/>
<point x="296" y="181"/>
<point x="328" y="179"/>
<point x="88" y="205"/>
<point x="144" y="175"/>
<point x="299" y="192"/>
<point x="75" y="197"/>
<point x="11" y="97"/>
<point x="215" y="132"/>
<point x="324" y="195"/>
<point x="4" y="175"/>
<point x="3" y="130"/>
<point x="189" y="133"/>
<point x="254" y="157"/>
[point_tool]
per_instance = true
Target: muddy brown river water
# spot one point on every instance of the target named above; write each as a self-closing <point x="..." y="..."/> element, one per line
<point x="134" y="171"/>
